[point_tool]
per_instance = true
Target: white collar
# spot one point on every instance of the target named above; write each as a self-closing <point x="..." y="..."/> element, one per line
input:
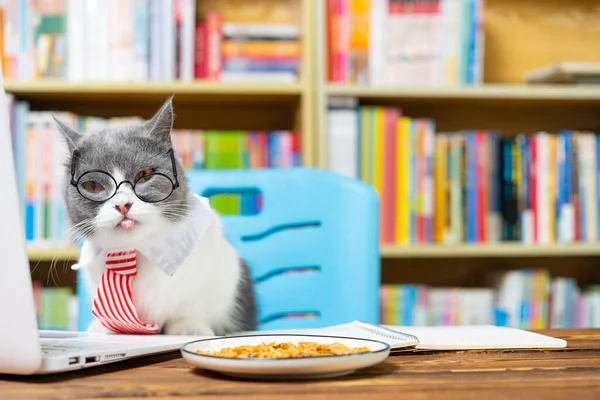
<point x="174" y="250"/>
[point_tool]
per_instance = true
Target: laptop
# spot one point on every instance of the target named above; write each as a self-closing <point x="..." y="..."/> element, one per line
<point x="24" y="349"/>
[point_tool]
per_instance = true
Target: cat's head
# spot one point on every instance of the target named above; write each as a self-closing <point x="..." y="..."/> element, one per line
<point x="131" y="155"/>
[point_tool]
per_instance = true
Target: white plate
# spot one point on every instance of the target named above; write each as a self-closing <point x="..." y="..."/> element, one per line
<point x="285" y="368"/>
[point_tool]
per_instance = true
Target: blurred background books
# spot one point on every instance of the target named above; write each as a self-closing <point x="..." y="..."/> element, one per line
<point x="144" y="40"/>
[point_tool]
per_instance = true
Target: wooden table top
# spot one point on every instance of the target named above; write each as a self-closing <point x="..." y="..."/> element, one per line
<point x="571" y="373"/>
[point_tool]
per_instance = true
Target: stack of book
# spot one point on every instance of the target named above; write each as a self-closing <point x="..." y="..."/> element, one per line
<point x="566" y="72"/>
<point x="260" y="52"/>
<point x="419" y="305"/>
<point x="141" y="40"/>
<point x="526" y="299"/>
<point x="472" y="186"/>
<point x="405" y="42"/>
<point x="40" y="155"/>
<point x="56" y="307"/>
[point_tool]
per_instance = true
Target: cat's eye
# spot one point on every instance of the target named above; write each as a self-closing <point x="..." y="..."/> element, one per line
<point x="92" y="186"/>
<point x="144" y="175"/>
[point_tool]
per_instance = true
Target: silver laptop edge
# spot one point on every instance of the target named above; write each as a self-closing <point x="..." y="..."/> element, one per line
<point x="20" y="342"/>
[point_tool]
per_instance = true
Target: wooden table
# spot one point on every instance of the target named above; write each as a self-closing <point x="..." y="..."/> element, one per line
<point x="572" y="373"/>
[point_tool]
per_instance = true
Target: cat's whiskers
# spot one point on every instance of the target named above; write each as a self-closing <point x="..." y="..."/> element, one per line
<point x="178" y="212"/>
<point x="88" y="227"/>
<point x="78" y="227"/>
<point x="73" y="227"/>
<point x="174" y="215"/>
<point x="51" y="275"/>
<point x="77" y="231"/>
<point x="177" y="207"/>
<point x="83" y="232"/>
<point x="182" y="210"/>
<point x="65" y="266"/>
<point x="35" y="266"/>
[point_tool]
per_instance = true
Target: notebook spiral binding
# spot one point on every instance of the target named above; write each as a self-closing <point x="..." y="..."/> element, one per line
<point x="386" y="332"/>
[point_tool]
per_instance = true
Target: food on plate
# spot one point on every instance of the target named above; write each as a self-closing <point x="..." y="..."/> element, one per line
<point x="285" y="350"/>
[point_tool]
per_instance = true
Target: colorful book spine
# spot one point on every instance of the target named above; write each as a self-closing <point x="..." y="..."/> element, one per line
<point x="471" y="188"/>
<point x="476" y="186"/>
<point x="441" y="182"/>
<point x="526" y="299"/>
<point x="389" y="180"/>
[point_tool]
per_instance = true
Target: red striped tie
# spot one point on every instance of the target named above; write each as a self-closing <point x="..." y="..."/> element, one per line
<point x="113" y="305"/>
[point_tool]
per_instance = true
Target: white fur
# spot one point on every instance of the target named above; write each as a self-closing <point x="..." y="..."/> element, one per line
<point x="199" y="299"/>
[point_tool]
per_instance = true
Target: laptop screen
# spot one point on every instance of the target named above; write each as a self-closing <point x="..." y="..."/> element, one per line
<point x="19" y="344"/>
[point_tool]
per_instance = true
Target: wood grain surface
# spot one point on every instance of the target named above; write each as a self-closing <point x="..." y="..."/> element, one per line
<point x="571" y="373"/>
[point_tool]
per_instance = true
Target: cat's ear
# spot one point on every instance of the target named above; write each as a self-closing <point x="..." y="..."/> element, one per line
<point x="160" y="125"/>
<point x="71" y="136"/>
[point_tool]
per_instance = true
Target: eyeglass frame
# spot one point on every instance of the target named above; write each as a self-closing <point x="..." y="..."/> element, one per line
<point x="77" y="155"/>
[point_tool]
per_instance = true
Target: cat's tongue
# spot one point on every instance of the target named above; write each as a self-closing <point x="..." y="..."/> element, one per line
<point x="127" y="223"/>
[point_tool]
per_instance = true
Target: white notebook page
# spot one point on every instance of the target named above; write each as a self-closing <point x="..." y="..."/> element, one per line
<point x="440" y="337"/>
<point x="478" y="337"/>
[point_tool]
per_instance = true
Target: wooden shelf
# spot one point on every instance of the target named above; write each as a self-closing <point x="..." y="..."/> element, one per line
<point x="560" y="93"/>
<point x="418" y="251"/>
<point x="152" y="91"/>
<point x="53" y="254"/>
<point x="491" y="250"/>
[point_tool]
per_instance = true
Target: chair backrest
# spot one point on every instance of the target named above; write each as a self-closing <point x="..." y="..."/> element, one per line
<point x="313" y="248"/>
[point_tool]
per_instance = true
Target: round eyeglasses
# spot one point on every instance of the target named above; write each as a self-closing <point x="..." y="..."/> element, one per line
<point x="100" y="186"/>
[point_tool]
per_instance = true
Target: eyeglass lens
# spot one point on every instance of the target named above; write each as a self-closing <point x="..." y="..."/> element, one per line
<point x="97" y="186"/>
<point x="100" y="186"/>
<point x="153" y="187"/>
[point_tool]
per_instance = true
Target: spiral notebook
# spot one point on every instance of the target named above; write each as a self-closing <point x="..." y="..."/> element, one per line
<point x="440" y="337"/>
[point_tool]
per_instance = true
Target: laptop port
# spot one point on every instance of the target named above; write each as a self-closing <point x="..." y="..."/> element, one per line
<point x="73" y="360"/>
<point x="91" y="359"/>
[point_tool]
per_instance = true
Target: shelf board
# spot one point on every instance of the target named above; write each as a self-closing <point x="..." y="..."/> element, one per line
<point x="50" y="254"/>
<point x="152" y="91"/>
<point x="491" y="250"/>
<point x="560" y="93"/>
<point x="417" y="251"/>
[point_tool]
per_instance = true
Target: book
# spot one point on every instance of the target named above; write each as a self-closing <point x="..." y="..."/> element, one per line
<point x="565" y="72"/>
<point x="148" y="40"/>
<point x="467" y="186"/>
<point x="410" y="338"/>
<point x="405" y="42"/>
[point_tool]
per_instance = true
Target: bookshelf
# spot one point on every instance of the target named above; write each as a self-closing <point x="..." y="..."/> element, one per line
<point x="500" y="250"/>
<point x="519" y="36"/>
<point x="501" y="102"/>
<point x="52" y="254"/>
<point x="497" y="92"/>
<point x="154" y="91"/>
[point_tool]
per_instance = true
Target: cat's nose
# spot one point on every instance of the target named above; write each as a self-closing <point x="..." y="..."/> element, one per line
<point x="123" y="208"/>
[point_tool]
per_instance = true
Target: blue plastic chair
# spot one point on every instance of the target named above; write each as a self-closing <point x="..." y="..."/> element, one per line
<point x="313" y="249"/>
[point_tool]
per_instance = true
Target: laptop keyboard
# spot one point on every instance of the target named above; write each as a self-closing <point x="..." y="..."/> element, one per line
<point x="57" y="346"/>
<point x="53" y="348"/>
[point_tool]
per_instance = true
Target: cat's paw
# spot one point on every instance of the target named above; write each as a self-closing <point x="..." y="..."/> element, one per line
<point x="187" y="327"/>
<point x="97" y="327"/>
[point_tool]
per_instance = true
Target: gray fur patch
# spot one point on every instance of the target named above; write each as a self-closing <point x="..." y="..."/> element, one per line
<point x="246" y="298"/>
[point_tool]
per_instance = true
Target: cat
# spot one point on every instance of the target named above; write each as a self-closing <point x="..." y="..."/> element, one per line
<point x="211" y="292"/>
